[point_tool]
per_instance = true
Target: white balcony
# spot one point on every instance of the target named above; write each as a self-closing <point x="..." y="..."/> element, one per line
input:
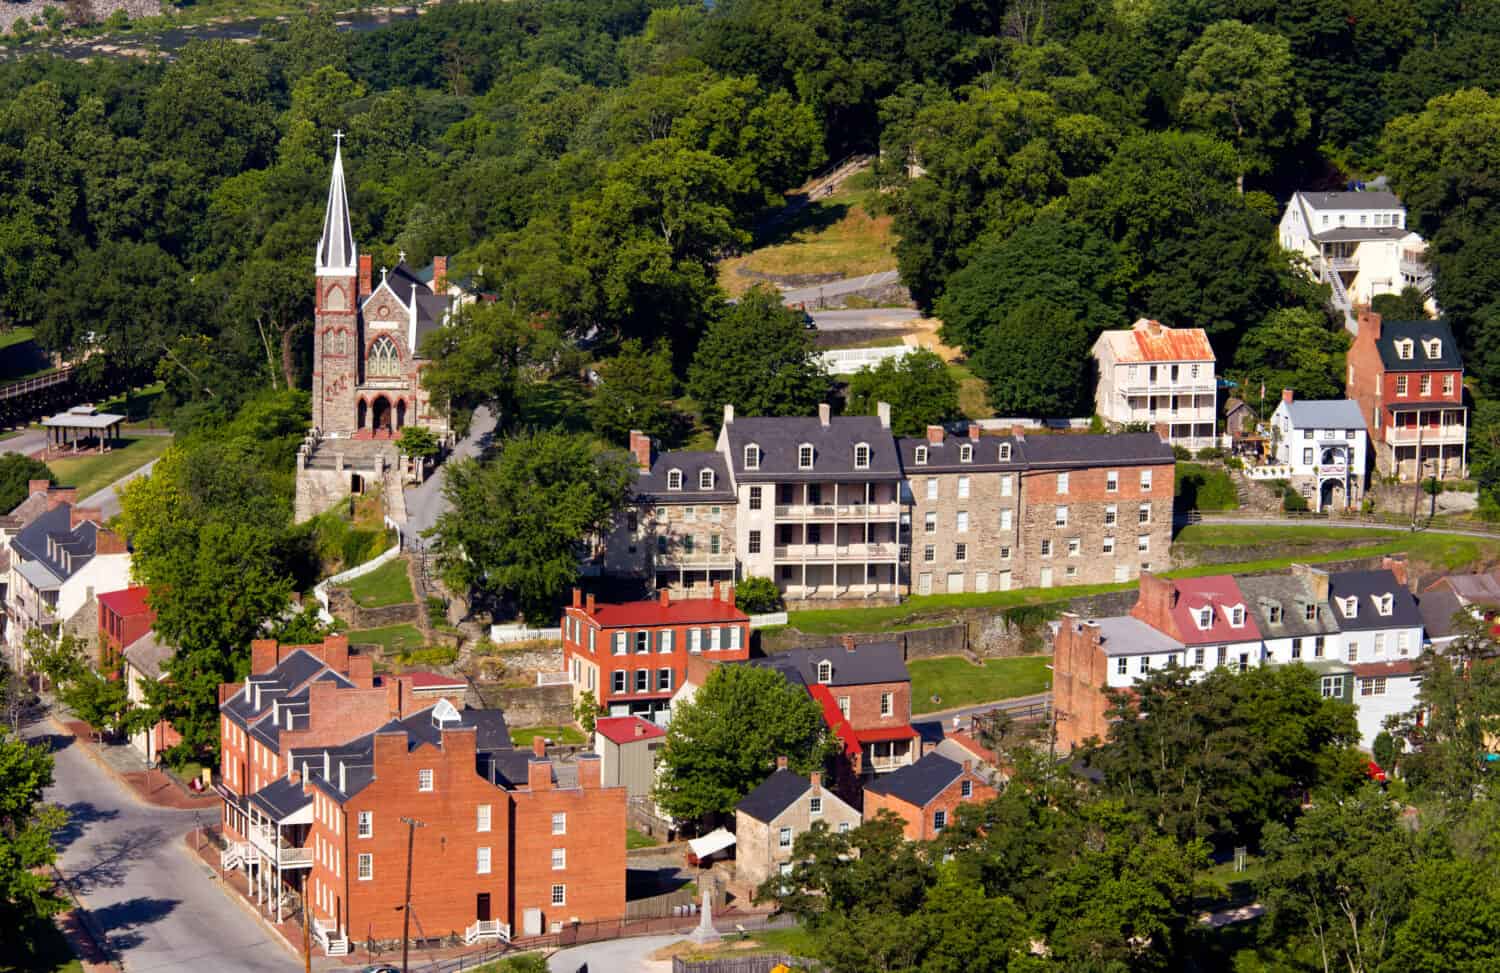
<point x="280" y="851"/>
<point x="694" y="559"/>
<point x="487" y="929"/>
<point x="1444" y="435"/>
<point x="873" y="551"/>
<point x="842" y="511"/>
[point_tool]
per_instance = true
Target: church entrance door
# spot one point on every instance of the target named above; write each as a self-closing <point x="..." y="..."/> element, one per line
<point x="400" y="413"/>
<point x="380" y="416"/>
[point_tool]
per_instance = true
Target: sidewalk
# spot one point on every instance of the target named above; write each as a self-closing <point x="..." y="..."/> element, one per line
<point x="155" y="787"/>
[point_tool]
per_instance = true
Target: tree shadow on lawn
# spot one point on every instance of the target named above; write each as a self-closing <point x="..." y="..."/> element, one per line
<point x="647" y="883"/>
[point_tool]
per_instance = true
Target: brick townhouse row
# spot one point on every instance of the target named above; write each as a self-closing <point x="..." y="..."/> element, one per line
<point x="324" y="764"/>
<point x="839" y="508"/>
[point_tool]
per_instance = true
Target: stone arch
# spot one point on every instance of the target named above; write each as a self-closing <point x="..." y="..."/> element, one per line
<point x="400" y="413"/>
<point x="334" y="299"/>
<point x="380" y="415"/>
<point x="361" y="410"/>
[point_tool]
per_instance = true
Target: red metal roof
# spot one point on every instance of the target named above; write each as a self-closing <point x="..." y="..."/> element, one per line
<point x="884" y="733"/>
<point x="1222" y="594"/>
<point x="422" y="679"/>
<point x="835" y="718"/>
<point x="127" y="601"/>
<point x="645" y="614"/>
<point x="1400" y="667"/>
<point x="627" y="729"/>
<point x="1153" y="341"/>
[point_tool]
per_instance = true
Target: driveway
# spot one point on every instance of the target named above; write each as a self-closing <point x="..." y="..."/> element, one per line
<point x="425" y="502"/>
<point x="865" y="319"/>
<point x="614" y="956"/>
<point x="812" y="296"/>
<point x="28" y="442"/>
<point x="158" y="908"/>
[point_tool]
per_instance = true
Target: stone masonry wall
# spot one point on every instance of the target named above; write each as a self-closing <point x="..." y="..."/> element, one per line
<point x="533" y="705"/>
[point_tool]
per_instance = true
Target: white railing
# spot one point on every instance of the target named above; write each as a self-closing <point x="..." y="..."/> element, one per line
<point x="768" y="619"/>
<point x="847" y="361"/>
<point x="695" y="559"/>
<point x="880" y="550"/>
<point x="280" y="851"/>
<point x="320" y="590"/>
<point x="1434" y="435"/>
<point x="1162" y="388"/>
<point x="234" y="855"/>
<point x="824" y="511"/>
<point x="503" y="634"/>
<point x="328" y="937"/>
<point x="486" y="929"/>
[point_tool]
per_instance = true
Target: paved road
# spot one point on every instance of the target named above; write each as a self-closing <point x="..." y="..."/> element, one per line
<point x="837" y="288"/>
<point x="28" y="442"/>
<point x="1439" y="528"/>
<point x="425" y="503"/>
<point x="108" y="499"/>
<point x="156" y="904"/>
<point x="614" y="956"/>
<point x="865" y="319"/>
<point x="966" y="713"/>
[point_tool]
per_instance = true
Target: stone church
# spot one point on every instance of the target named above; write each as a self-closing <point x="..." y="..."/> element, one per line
<point x="368" y="333"/>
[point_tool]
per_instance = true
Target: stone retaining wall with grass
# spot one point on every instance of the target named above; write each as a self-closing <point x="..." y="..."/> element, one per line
<point x="533" y="705"/>
<point x="341" y="605"/>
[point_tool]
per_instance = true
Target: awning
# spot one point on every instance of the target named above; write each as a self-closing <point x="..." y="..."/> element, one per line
<point x="714" y="841"/>
<point x="884" y="734"/>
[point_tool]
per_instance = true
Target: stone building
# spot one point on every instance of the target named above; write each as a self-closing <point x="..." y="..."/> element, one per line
<point x="768" y="820"/>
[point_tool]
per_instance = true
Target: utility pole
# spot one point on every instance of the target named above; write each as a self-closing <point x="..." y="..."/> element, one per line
<point x="306" y="927"/>
<point x="412" y="824"/>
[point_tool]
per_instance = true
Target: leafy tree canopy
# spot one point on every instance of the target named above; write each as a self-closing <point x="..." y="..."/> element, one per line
<point x="16" y="473"/>
<point x="759" y="358"/>
<point x="1034" y="361"/>
<point x="918" y="387"/>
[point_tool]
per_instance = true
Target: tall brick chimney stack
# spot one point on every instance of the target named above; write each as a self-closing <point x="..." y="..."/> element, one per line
<point x="1396" y="564"/>
<point x="1286" y="396"/>
<point x="934" y="434"/>
<point x="1369" y="322"/>
<point x="1018" y="431"/>
<point x="577" y="598"/>
<point x="588" y="605"/>
<point x="666" y="597"/>
<point x="439" y="274"/>
<point x="825" y="413"/>
<point x="366" y="273"/>
<point x="848" y="642"/>
<point x="973" y="432"/>
<point x="640" y="448"/>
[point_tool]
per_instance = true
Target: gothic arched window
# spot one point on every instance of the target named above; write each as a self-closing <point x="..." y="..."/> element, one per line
<point x="383" y="360"/>
<point x="335" y="343"/>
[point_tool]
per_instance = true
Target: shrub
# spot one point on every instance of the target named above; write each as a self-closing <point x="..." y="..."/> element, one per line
<point x="1383" y="748"/>
<point x="1234" y="463"/>
<point x="432" y="655"/>
<point x="1096" y="424"/>
<point x="757" y="596"/>
<point x="1205" y="488"/>
<point x="1461" y="486"/>
<point x="1182" y="453"/>
<point x="586" y="712"/>
<point x="1293" y="502"/>
<point x="1210" y="452"/>
<point x="1432" y="487"/>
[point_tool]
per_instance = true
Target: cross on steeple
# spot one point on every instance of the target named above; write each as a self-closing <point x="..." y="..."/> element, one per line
<point x="382" y="273"/>
<point x="400" y="256"/>
<point x="338" y="137"/>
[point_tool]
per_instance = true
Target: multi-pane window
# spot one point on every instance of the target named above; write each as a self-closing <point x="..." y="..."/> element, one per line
<point x="1198" y="657"/>
<point x="705" y="479"/>
<point x="1062" y="483"/>
<point x="1373" y="686"/>
<point x="1120" y="665"/>
<point x="1401" y="385"/>
<point x="642" y="680"/>
<point x="1112" y="481"/>
<point x="1447" y="384"/>
<point x="755" y="497"/>
<point x="961" y="522"/>
<point x="1146" y="480"/>
<point x="715" y="543"/>
<point x="1426" y="385"/>
<point x="844" y="707"/>
<point x="1351" y="652"/>
<point x="966" y="789"/>
<point x="1296" y="648"/>
<point x="804" y="457"/>
<point x="1145" y="664"/>
<point x="559" y="894"/>
<point x="618" y="682"/>
<point x="754" y="542"/>
<point x="861" y="457"/>
<point x="919" y="456"/>
<point x="1060" y="517"/>
<point x="1143" y="543"/>
<point x="1107" y="546"/>
<point x="932" y="488"/>
<point x="965" y="453"/>
<point x="752" y="458"/>
<point x="784" y="838"/>
<point x="1005" y="552"/>
<point x="929" y="553"/>
<point x="960" y="552"/>
<point x="814" y="806"/>
<point x="366" y="867"/>
<point x="366" y="824"/>
<point x="886" y="704"/>
<point x="642" y="642"/>
<point x="1144" y="515"/>
<point x="559" y="859"/>
<point x="1046" y="547"/>
<point x="1111" y="514"/>
<point x="482" y="818"/>
<point x="674" y="479"/>
<point x="1075" y="547"/>
<point x="482" y="861"/>
<point x="424" y="780"/>
<point x="939" y="820"/>
<point x="963" y="487"/>
<point x="1333" y="686"/>
<point x="664" y="680"/>
<point x="560" y="822"/>
<point x="929" y="522"/>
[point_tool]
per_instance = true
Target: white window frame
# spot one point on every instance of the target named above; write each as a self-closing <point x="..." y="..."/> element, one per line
<point x="1112" y="481"/>
<point x="861" y="456"/>
<point x="919" y="456"/>
<point x="814" y="806"/>
<point x="963" y="488"/>
<point x="482" y="818"/>
<point x="825" y="672"/>
<point x="482" y="861"/>
<point x="366" y="824"/>
<point x="1005" y="452"/>
<point x="752" y="456"/>
<point x="365" y="867"/>
<point x="559" y="859"/>
<point x="674" y="480"/>
<point x="705" y="479"/>
<point x="424" y="780"/>
<point x="806" y="456"/>
<point x="1062" y="482"/>
<point x="559" y="822"/>
<point x="784" y="838"/>
<point x="966" y="453"/>
<point x="1060" y="516"/>
<point x="559" y="894"/>
<point x="887" y="704"/>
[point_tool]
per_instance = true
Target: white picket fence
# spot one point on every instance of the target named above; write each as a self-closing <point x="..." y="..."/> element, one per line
<point x="320" y="590"/>
<point x="847" y="361"/>
<point x="768" y="619"/>
<point x="505" y="634"/>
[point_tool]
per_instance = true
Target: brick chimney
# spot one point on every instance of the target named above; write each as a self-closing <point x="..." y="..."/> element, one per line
<point x="396" y="694"/>
<point x="335" y="652"/>
<point x="539" y="774"/>
<point x="366" y="274"/>
<point x="58" y="496"/>
<point x="666" y="597"/>
<point x="781" y="763"/>
<point x="825" y="412"/>
<point x="1018" y="432"/>
<point x="82" y="515"/>
<point x="726" y="592"/>
<point x="1163" y="432"/>
<point x="539" y="747"/>
<point x="815" y="780"/>
<point x="1369" y="323"/>
<point x="588" y="605"/>
<point x="577" y="598"/>
<point x="33" y="487"/>
<point x="728" y="413"/>
<point x="439" y="274"/>
<point x="1396" y="564"/>
<point x="935" y="435"/>
<point x="109" y="542"/>
<point x="848" y="642"/>
<point x="1286" y="396"/>
<point x="590" y="771"/>
<point x="362" y="671"/>
<point x="1154" y="606"/>
<point x="973" y="432"/>
<point x="640" y="448"/>
<point x="264" y="654"/>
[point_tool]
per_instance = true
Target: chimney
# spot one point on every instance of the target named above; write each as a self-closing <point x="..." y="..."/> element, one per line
<point x="728" y="413"/>
<point x="1286" y="396"/>
<point x="883" y="411"/>
<point x="640" y="448"/>
<point x="263" y="655"/>
<point x="1396" y="564"/>
<point x="848" y="642"/>
<point x="1154" y="605"/>
<point x="973" y="432"/>
<point x="539" y="775"/>
<point x="396" y="694"/>
<point x="362" y="671"/>
<point x="588" y="604"/>
<point x="815" y="780"/>
<point x="1164" y="433"/>
<point x="1018" y="433"/>
<point x="439" y="274"/>
<point x="58" y="496"/>
<point x="336" y="652"/>
<point x="639" y="727"/>
<point x="577" y="598"/>
<point x="81" y="515"/>
<point x="34" y="487"/>
<point x="590" y="771"/>
<point x="825" y="411"/>
<point x="539" y="747"/>
<point x="968" y="766"/>
<point x="109" y="542"/>
<point x="1369" y="322"/>
<point x="666" y="597"/>
<point x="935" y="435"/>
<point x="726" y="592"/>
<point x="366" y="273"/>
<point x="781" y="763"/>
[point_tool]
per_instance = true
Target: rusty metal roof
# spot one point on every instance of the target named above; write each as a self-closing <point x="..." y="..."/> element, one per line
<point x="1152" y="341"/>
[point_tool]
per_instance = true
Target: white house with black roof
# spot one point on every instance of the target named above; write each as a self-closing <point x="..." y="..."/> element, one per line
<point x="59" y="563"/>
<point x="1380" y="638"/>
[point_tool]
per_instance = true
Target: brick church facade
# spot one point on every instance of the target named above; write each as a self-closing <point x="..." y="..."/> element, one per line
<point x="368" y="335"/>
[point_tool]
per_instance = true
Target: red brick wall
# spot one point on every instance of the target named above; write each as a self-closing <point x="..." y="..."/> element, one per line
<point x="864" y="704"/>
<point x="912" y="816"/>
<point x="677" y="660"/>
<point x="595" y="850"/>
<point x="1090" y="485"/>
<point x="1365" y="365"/>
<point x="337" y="715"/>
<point x="117" y="631"/>
<point x="919" y="821"/>
<point x="1079" y="668"/>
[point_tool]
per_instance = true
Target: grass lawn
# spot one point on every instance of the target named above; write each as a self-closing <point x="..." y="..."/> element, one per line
<point x="639" y="839"/>
<point x="973" y="394"/>
<point x="386" y="585"/>
<point x="959" y="682"/>
<point x="792" y="941"/>
<point x="557" y="734"/>
<point x="92" y="472"/>
<point x="392" y="639"/>
<point x="1206" y="488"/>
<point x="1450" y="551"/>
<point x="14" y="336"/>
<point x="45" y="951"/>
<point x="836" y="235"/>
<point x="135" y="405"/>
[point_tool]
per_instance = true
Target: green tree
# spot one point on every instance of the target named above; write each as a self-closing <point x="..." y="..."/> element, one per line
<point x="1409" y="305"/>
<point x="99" y="701"/>
<point x="1293" y="348"/>
<point x="635" y="391"/>
<point x="418" y="442"/>
<point x="488" y="355"/>
<point x="1034" y="360"/>
<point x="17" y="470"/>
<point x="724" y="741"/>
<point x="759" y="358"/>
<point x="26" y="829"/>
<point x="1240" y="86"/>
<point x="868" y="869"/>
<point x="757" y="596"/>
<point x="586" y="711"/>
<point x="60" y="661"/>
<point x="1454" y="921"/>
<point x="918" y="387"/>
<point x="519" y="523"/>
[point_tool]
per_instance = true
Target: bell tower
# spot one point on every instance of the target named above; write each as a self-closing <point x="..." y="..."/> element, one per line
<point x="336" y="330"/>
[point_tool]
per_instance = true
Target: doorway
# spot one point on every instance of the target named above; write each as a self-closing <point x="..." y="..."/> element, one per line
<point x="400" y="413"/>
<point x="482" y="907"/>
<point x="380" y="415"/>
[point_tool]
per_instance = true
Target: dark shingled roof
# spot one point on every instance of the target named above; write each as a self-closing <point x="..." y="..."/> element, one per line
<point x="1122" y="449"/>
<point x="1419" y="332"/>
<point x="943" y="457"/>
<point x="775" y="794"/>
<point x="917" y="784"/>
<point x="1293" y="594"/>
<point x="652" y="484"/>
<point x="1346" y="199"/>
<point x="55" y="524"/>
<point x="285" y="678"/>
<point x="870" y="662"/>
<point x="1366" y="585"/>
<point x="1437" y="608"/>
<point x="833" y="448"/>
<point x="280" y="798"/>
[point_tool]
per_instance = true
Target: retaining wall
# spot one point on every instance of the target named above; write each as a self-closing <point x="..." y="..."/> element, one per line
<point x="532" y="705"/>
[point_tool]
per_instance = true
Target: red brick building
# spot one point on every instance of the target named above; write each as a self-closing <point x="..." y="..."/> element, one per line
<point x="124" y="617"/>
<point x="323" y="762"/>
<point x="926" y="795"/>
<point x="633" y="656"/>
<point x="1408" y="379"/>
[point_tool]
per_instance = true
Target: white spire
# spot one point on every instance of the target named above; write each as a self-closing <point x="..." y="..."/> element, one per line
<point x="337" y="254"/>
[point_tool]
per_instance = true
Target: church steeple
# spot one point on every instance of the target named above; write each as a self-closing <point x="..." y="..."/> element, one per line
<point x="337" y="254"/>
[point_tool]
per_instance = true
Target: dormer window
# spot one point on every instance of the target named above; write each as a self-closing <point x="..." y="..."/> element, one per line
<point x="825" y="672"/>
<point x="805" y="457"/>
<point x="1385" y="604"/>
<point x="965" y="453"/>
<point x="1404" y="349"/>
<point x="1205" y="618"/>
<point x="1005" y="452"/>
<point x="919" y="456"/>
<point x="705" y="479"/>
<point x="1349" y="606"/>
<point x="862" y="456"/>
<point x="1273" y="613"/>
<point x="1434" y="348"/>
<point x="674" y="479"/>
<point x="752" y="457"/>
<point x="1237" y="616"/>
